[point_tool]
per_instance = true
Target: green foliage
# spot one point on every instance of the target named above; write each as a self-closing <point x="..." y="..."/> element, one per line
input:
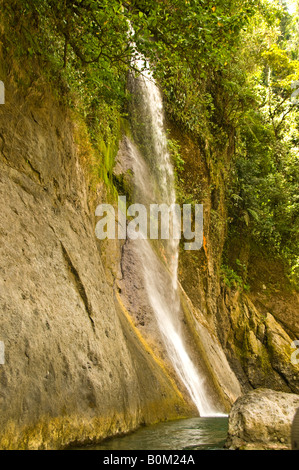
<point x="79" y="49"/>
<point x="190" y="43"/>
<point x="263" y="194"/>
<point x="226" y="71"/>
<point x="179" y="165"/>
<point x="231" y="279"/>
<point x="88" y="45"/>
<point x="175" y="152"/>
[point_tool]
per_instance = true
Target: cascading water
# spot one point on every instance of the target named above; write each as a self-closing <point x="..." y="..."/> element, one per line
<point x="154" y="183"/>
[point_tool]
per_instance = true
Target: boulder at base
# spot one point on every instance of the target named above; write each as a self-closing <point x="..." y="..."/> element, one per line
<point x="262" y="419"/>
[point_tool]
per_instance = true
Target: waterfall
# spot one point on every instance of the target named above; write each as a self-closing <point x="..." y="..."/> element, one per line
<point x="154" y="182"/>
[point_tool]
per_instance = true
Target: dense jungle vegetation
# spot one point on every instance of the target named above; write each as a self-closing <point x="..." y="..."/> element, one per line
<point x="229" y="72"/>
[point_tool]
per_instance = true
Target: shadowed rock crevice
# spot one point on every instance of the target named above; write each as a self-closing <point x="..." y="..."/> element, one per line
<point x="79" y="284"/>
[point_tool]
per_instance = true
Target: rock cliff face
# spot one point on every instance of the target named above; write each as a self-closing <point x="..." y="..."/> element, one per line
<point x="201" y="340"/>
<point x="256" y="328"/>
<point x="76" y="369"/>
<point x="82" y="361"/>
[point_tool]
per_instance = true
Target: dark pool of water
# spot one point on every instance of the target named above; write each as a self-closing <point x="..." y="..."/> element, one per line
<point x="186" y="434"/>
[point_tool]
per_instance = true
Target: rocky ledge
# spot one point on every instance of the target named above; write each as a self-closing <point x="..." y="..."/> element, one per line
<point x="262" y="419"/>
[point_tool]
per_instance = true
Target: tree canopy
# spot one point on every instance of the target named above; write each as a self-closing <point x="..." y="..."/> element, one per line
<point x="229" y="72"/>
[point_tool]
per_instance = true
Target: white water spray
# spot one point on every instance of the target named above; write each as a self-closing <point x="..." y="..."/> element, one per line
<point x="152" y="158"/>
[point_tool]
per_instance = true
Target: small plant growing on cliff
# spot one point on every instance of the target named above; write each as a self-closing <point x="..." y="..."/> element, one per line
<point x="178" y="164"/>
<point x="231" y="279"/>
<point x="175" y="152"/>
